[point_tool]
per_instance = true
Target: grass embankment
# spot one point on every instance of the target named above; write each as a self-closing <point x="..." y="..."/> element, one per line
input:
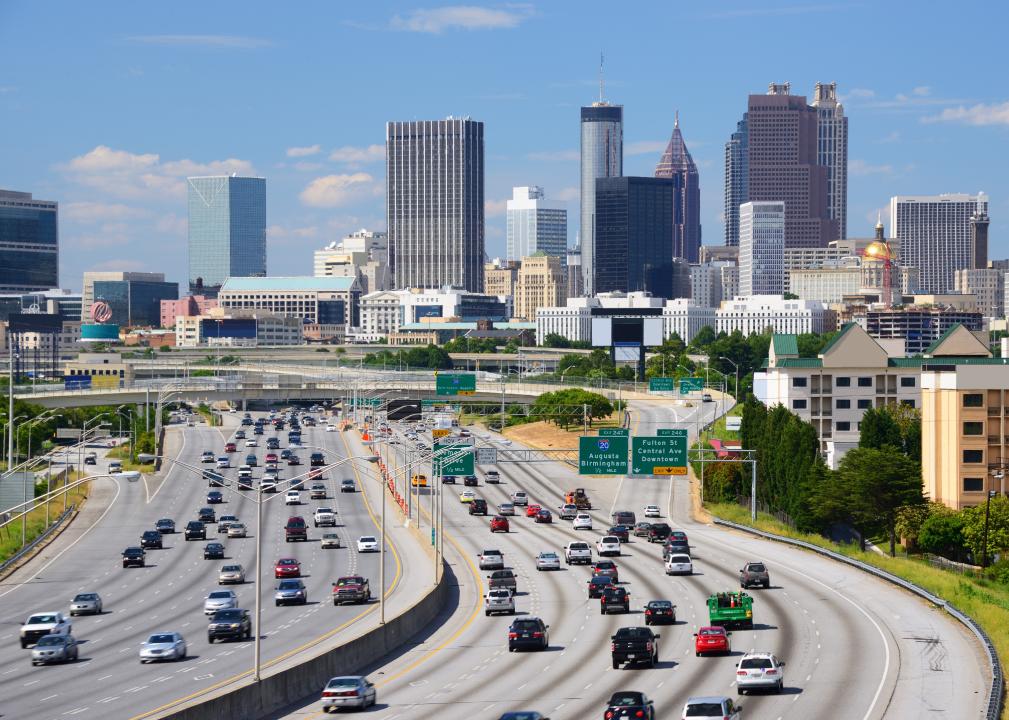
<point x="10" y="535"/>
<point x="984" y="600"/>
<point x="122" y="454"/>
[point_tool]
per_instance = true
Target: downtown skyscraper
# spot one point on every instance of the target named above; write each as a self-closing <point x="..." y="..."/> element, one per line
<point x="832" y="151"/>
<point x="29" y="243"/>
<point x="602" y="155"/>
<point x="533" y="226"/>
<point x="434" y="203"/>
<point x="677" y="165"/>
<point x="737" y="180"/>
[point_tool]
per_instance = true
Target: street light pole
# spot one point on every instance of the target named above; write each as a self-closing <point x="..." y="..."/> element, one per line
<point x="734" y="365"/>
<point x="987" y="506"/>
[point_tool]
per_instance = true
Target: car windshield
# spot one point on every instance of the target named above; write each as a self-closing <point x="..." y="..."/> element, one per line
<point x="50" y="640"/>
<point x="611" y="540"/>
<point x="712" y="631"/>
<point x="220" y="595"/>
<point x="626" y="698"/>
<point x="756" y="663"/>
<point x="348" y="581"/>
<point x="679" y="558"/>
<point x="526" y="625"/>
<point x="660" y="604"/>
<point x="228" y="615"/>
<point x="548" y="556"/>
<point x="634" y="633"/>
<point x="85" y="597"/>
<point x="39" y="619"/>
<point x="704" y="709"/>
<point x="367" y="539"/>
<point x="289" y="585"/>
<point x="755" y="568"/>
<point x="159" y="639"/>
<point x="231" y="568"/>
<point x="343" y="682"/>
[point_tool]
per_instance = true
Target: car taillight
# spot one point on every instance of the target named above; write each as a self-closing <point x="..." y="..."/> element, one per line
<point x="648" y="612"/>
<point x="740" y="672"/>
<point x="613" y="647"/>
<point x="639" y="713"/>
<point x="537" y="634"/>
<point x="608" y="715"/>
<point x="512" y="636"/>
<point x="770" y="672"/>
<point x="327" y="693"/>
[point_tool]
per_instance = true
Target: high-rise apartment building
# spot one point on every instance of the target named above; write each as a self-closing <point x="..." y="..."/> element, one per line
<point x="737" y="178"/>
<point x="832" y="152"/>
<point x="227" y="230"/>
<point x="677" y="165"/>
<point x="762" y="248"/>
<point x="937" y="235"/>
<point x="634" y="235"/>
<point x="29" y="243"/>
<point x="434" y="203"/>
<point x="540" y="283"/>
<point x="602" y="153"/>
<point x="533" y="226"/>
<point x="363" y="254"/>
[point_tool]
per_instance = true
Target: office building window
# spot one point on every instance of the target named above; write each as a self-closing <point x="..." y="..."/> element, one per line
<point x="864" y="404"/>
<point x="907" y="381"/>
<point x="973" y="456"/>
<point x="843" y="404"/>
<point x="843" y="426"/>
<point x="973" y="400"/>
<point x="798" y="382"/>
<point x="973" y="428"/>
<point x="798" y="404"/>
<point x="843" y="382"/>
<point x="865" y="382"/>
<point x="973" y="484"/>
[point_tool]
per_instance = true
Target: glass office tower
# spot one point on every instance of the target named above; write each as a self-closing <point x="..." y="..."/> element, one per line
<point x="227" y="230"/>
<point x="602" y="153"/>
<point x="29" y="243"/>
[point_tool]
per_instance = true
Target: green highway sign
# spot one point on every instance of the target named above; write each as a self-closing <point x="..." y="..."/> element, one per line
<point x="661" y="384"/>
<point x="601" y="455"/>
<point x="366" y="402"/>
<point x="662" y="455"/>
<point x="691" y="384"/>
<point x="671" y="432"/>
<point x="458" y="466"/>
<point x="455" y="383"/>
<point x="613" y="432"/>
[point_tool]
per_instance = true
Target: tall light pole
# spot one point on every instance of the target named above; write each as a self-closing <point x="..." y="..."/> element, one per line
<point x="11" y="428"/>
<point x="24" y="485"/>
<point x="84" y="434"/>
<point x="734" y="365"/>
<point x="987" y="506"/>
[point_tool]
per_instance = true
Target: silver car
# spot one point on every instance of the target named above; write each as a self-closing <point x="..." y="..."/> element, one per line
<point x="220" y="600"/>
<point x="54" y="648"/>
<point x="225" y="521"/>
<point x="163" y="646"/>
<point x="506" y="508"/>
<point x="330" y="540"/>
<point x="499" y="600"/>
<point x="86" y="604"/>
<point x="231" y="574"/>
<point x="548" y="561"/>
<point x="236" y="530"/>
<point x="348" y="691"/>
<point x="760" y="671"/>
<point x="291" y="591"/>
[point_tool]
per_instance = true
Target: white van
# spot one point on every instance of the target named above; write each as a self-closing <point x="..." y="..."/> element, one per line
<point x="115" y="467"/>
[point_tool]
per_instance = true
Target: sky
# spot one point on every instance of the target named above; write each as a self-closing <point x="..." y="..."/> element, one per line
<point x="107" y="107"/>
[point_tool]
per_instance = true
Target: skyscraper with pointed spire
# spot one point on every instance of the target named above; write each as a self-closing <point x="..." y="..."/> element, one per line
<point x="677" y="165"/>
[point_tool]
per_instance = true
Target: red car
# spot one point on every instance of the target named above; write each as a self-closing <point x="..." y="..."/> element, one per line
<point x="230" y="447"/>
<point x="287" y="568"/>
<point x="499" y="524"/>
<point x="544" y="516"/>
<point x="271" y="457"/>
<point x="532" y="510"/>
<point x="711" y="640"/>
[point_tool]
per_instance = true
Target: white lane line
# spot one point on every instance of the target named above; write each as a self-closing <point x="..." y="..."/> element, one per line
<point x="109" y="699"/>
<point x="104" y="677"/>
<point x="49" y="697"/>
<point x="30" y="682"/>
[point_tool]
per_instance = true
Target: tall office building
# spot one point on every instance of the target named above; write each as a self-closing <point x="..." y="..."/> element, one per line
<point x="762" y="248"/>
<point x="540" y="283"/>
<point x="832" y="151"/>
<point x="634" y="235"/>
<point x="677" y="165"/>
<point x="434" y="203"/>
<point x="937" y="235"/>
<point x="227" y="230"/>
<point x="602" y="152"/>
<point x="575" y="279"/>
<point x="134" y="298"/>
<point x="979" y="238"/>
<point x="533" y="226"/>
<point x="29" y="243"/>
<point x="737" y="178"/>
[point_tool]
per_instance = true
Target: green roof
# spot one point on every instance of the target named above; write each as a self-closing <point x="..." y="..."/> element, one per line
<point x="304" y="283"/>
<point x="800" y="363"/>
<point x="834" y="340"/>
<point x="785" y="344"/>
<point x="942" y="338"/>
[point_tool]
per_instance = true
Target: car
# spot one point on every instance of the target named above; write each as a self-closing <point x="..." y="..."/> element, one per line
<point x="499" y="600"/>
<point x="258" y="429"/>
<point x="351" y="588"/>
<point x="523" y="715"/>
<point x="754" y="573"/>
<point x="759" y="670"/>
<point x="491" y="559"/>
<point x="226" y="521"/>
<point x="285" y="453"/>
<point x="53" y="649"/>
<point x="419" y="480"/>
<point x="230" y="447"/>
<point x="151" y="539"/>
<point x="531" y="510"/>
<point x="674" y="547"/>
<point x="577" y="553"/>
<point x="223" y="462"/>
<point x="252" y="442"/>
<point x="367" y="543"/>
<point x="478" y="506"/>
<point x="206" y="515"/>
<point x="272" y="443"/>
<point x="623" y="517"/>
<point x="219" y="600"/>
<point x="614" y="598"/>
<point x="544" y="516"/>
<point x="621" y="532"/>
<point x="528" y="633"/>
<point x="608" y="568"/>
<point x="506" y="508"/>
<point x="134" y="557"/>
<point x="608" y="545"/>
<point x="290" y="591"/>
<point x="317" y="459"/>
<point x="115" y="467"/>
<point x="470" y="481"/>
<point x="207" y="456"/>
<point x="215" y="497"/>
<point x="271" y="457"/>
<point x="213" y="551"/>
<point x="329" y="541"/>
<point x="296" y="529"/>
<point x="678" y="536"/>
<point x="239" y="435"/>
<point x="503" y="578"/>
<point x="287" y="568"/>
<point x="91" y="459"/>
<point x="714" y="706"/>
<point x="568" y="512"/>
<point x="448" y="479"/>
<point x="467" y="496"/>
<point x="86" y="604"/>
<point x="44" y="623"/>
<point x="499" y="523"/>
<point x="597" y="584"/>
<point x="293" y="497"/>
<point x="330" y="428"/>
<point x="492" y="477"/>
<point x="237" y="530"/>
<point x="293" y="459"/>
<point x="652" y="511"/>
<point x="231" y="574"/>
<point x="347" y="485"/>
<point x="659" y="532"/>
<point x="317" y="492"/>
<point x="582" y="521"/>
<point x="229" y="624"/>
<point x="163" y="646"/>
<point x="251" y="460"/>
<point x="520" y="498"/>
<point x="679" y="564"/>
<point x="712" y="639"/>
<point x="348" y="691"/>
<point x="641" y="529"/>
<point x="548" y="561"/>
<point x="324" y="517"/>
<point x="706" y="397"/>
<point x="634" y="644"/>
<point x="629" y="704"/>
<point x="660" y="612"/>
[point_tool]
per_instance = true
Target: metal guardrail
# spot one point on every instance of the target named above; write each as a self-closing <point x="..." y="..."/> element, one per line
<point x="995" y="696"/>
<point x="34" y="543"/>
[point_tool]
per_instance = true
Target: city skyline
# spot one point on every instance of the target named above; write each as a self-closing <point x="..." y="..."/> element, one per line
<point x="119" y="172"/>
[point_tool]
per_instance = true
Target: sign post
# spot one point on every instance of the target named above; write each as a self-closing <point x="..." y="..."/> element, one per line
<point x="602" y="455"/>
<point x="664" y="454"/>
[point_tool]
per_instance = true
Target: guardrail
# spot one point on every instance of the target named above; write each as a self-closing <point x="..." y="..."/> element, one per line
<point x="995" y="697"/>
<point x="16" y="557"/>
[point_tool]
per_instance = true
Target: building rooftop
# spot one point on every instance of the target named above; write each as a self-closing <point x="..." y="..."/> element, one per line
<point x="298" y="283"/>
<point x="837" y="338"/>
<point x="785" y="344"/>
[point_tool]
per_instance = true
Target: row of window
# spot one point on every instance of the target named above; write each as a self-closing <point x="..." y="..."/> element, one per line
<point x="905" y="381"/>
<point x="842" y="404"/>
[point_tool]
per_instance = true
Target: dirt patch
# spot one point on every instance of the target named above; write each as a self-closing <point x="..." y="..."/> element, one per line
<point x="699" y="513"/>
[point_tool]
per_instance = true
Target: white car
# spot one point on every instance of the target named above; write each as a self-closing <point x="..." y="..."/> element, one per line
<point x="44" y="623"/>
<point x="499" y="600"/>
<point x="582" y="521"/>
<point x="548" y="561"/>
<point x="759" y="671"/>
<point x="506" y="508"/>
<point x="652" y="511"/>
<point x="223" y="462"/>
<point x="331" y="428"/>
<point x="237" y="530"/>
<point x="679" y="564"/>
<point x="293" y="497"/>
<point x="714" y="706"/>
<point x="367" y="543"/>
<point x="220" y="600"/>
<point x="520" y="498"/>
<point x="608" y="545"/>
<point x="252" y="442"/>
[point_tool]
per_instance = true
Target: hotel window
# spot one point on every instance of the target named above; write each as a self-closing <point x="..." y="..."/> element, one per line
<point x="843" y="382"/>
<point x="973" y="456"/>
<point x="798" y="404"/>
<point x="798" y="382"/>
<point x="865" y="382"/>
<point x="843" y="426"/>
<point x="973" y="428"/>
<point x="906" y="381"/>
<point x="843" y="404"/>
<point x="973" y="400"/>
<point x="973" y="484"/>
<point x="864" y="404"/>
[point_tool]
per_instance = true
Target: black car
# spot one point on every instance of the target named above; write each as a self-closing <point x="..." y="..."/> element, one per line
<point x="478" y="506"/>
<point x="660" y="612"/>
<point x="229" y="625"/>
<point x="214" y="479"/>
<point x="246" y="421"/>
<point x="614" y="598"/>
<point x="293" y="459"/>
<point x="134" y="557"/>
<point x="213" y="551"/>
<point x="165" y="526"/>
<point x="215" y="497"/>
<point x="206" y="515"/>
<point x="285" y="453"/>
<point x="629" y="704"/>
<point x="151" y="539"/>
<point x="195" y="530"/>
<point x="448" y="479"/>
<point x="317" y="459"/>
<point x="469" y="481"/>
<point x="621" y="532"/>
<point x="597" y="584"/>
<point x="273" y="444"/>
<point x="258" y="430"/>
<point x="528" y="633"/>
<point x="244" y="483"/>
<point x="659" y="532"/>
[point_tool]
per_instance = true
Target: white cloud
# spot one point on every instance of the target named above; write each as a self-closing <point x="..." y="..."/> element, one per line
<point x="645" y="147"/>
<point x="336" y="190"/>
<point x="303" y="151"/>
<point x="207" y="41"/>
<point x="980" y="114"/>
<point x="922" y="91"/>
<point x="356" y="156"/>
<point x="275" y="232"/>
<point x="94" y="212"/>
<point x="460" y="17"/>
<point x="555" y="156"/>
<point x="307" y="166"/>
<point x="860" y="93"/>
<point x="861" y="167"/>
<point x="494" y="208"/>
<point x="568" y="194"/>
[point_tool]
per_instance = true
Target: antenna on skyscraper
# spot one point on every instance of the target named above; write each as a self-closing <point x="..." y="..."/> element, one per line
<point x="601" y="101"/>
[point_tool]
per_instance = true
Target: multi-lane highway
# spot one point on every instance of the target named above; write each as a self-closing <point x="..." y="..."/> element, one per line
<point x="108" y="681"/>
<point x="854" y="647"/>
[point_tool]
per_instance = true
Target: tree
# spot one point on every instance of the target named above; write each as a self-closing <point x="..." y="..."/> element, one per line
<point x="942" y="534"/>
<point x="555" y="340"/>
<point x="704" y="337"/>
<point x="878" y="429"/>
<point x="998" y="528"/>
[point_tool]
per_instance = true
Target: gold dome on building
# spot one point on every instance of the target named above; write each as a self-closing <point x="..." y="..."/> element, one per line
<point x="878" y="251"/>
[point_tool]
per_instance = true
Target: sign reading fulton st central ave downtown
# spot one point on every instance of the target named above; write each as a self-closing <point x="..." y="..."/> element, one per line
<point x="607" y="453"/>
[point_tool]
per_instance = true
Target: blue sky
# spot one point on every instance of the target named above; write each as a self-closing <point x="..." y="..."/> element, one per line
<point x="107" y="107"/>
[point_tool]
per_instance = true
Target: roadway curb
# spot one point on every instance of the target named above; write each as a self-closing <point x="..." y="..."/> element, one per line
<point x="997" y="691"/>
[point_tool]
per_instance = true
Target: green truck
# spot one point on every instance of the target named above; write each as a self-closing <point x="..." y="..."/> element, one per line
<point x="731" y="609"/>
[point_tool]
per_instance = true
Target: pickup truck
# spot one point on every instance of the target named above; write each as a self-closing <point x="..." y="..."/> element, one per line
<point x="634" y="644"/>
<point x="731" y="609"/>
<point x="296" y="529"/>
<point x="325" y="517"/>
<point x="577" y="553"/>
<point x="351" y="589"/>
<point x="45" y="623"/>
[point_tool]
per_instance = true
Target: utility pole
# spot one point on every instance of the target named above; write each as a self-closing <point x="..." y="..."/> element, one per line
<point x="585" y="418"/>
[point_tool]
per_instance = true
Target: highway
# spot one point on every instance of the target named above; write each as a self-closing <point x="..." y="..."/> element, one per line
<point x="855" y="647"/>
<point x="108" y="681"/>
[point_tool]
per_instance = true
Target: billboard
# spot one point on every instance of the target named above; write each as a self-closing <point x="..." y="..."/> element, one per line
<point x="243" y="328"/>
<point x="35" y="322"/>
<point x="610" y="331"/>
<point x="426" y="311"/>
<point x="77" y="382"/>
<point x="105" y="382"/>
<point x="99" y="333"/>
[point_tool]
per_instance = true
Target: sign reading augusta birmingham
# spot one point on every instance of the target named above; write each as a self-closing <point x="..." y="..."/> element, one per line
<point x="602" y="455"/>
